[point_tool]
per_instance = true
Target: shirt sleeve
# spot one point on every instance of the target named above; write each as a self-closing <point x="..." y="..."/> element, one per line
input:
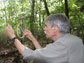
<point x="52" y="53"/>
<point x="28" y="55"/>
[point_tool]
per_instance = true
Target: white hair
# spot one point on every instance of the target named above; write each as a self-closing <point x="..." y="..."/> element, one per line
<point x="59" y="20"/>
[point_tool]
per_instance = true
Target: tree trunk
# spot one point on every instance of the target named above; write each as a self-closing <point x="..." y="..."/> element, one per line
<point x="46" y="7"/>
<point x="66" y="8"/>
<point x="40" y="15"/>
<point x="32" y="16"/>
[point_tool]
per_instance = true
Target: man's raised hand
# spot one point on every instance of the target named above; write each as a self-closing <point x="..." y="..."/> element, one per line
<point x="9" y="31"/>
<point x="28" y="34"/>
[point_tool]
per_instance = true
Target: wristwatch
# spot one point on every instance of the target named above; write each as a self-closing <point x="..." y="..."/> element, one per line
<point x="13" y="39"/>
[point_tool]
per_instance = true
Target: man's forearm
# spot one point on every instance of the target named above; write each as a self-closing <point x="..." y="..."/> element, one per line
<point x="29" y="35"/>
<point x="19" y="46"/>
<point x="10" y="33"/>
<point x="36" y="43"/>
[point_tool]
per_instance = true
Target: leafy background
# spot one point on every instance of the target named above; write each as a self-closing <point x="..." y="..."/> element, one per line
<point x="31" y="14"/>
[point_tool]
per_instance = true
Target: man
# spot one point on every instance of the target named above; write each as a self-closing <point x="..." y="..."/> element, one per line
<point x="66" y="48"/>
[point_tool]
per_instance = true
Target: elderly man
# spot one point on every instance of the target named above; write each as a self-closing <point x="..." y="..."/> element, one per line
<point x="66" y="48"/>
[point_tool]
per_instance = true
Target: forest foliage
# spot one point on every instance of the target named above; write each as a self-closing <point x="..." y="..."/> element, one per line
<point x="31" y="14"/>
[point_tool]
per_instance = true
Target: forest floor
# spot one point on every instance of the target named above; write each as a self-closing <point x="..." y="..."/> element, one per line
<point x="8" y="56"/>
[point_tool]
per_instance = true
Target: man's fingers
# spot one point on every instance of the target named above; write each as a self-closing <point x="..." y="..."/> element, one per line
<point x="26" y="31"/>
<point x="6" y="30"/>
<point x="9" y="26"/>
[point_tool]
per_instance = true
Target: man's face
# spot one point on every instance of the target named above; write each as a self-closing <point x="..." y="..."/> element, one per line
<point x="49" y="31"/>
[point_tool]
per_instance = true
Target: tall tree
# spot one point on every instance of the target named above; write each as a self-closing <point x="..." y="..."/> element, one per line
<point x="46" y="7"/>
<point x="66" y="8"/>
<point x="32" y="15"/>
